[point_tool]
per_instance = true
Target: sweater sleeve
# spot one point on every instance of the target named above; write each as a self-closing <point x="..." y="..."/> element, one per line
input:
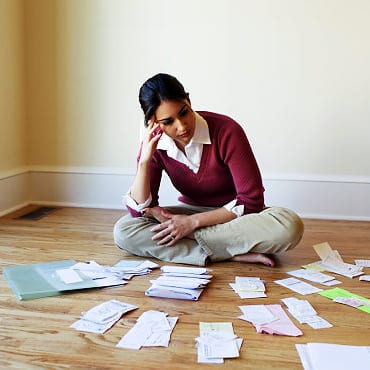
<point x="237" y="154"/>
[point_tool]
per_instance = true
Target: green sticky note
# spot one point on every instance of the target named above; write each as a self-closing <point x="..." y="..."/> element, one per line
<point x="338" y="292"/>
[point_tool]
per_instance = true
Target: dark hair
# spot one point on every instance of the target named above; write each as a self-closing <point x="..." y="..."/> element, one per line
<point x="159" y="88"/>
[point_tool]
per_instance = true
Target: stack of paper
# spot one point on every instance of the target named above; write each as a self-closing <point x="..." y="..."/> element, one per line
<point x="123" y="270"/>
<point x="102" y="317"/>
<point x="152" y="329"/>
<point x="249" y="287"/>
<point x="304" y="313"/>
<point x="216" y="342"/>
<point x="324" y="356"/>
<point x="270" y="319"/>
<point x="180" y="283"/>
<point x="332" y="261"/>
<point x="126" y="269"/>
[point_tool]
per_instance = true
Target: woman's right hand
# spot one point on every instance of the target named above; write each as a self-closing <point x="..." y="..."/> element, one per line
<point x="150" y="141"/>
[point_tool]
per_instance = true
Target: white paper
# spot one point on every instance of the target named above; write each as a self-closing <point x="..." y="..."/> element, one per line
<point x="325" y="356"/>
<point x="153" y="328"/>
<point x="249" y="284"/>
<point x="173" y="292"/>
<point x="216" y="342"/>
<point x="332" y="261"/>
<point x="218" y="345"/>
<point x="181" y="282"/>
<point x="318" y="322"/>
<point x="298" y="286"/>
<point x="102" y="317"/>
<point x="186" y="270"/>
<point x="247" y="294"/>
<point x="332" y="282"/>
<point x="362" y="263"/>
<point x="68" y="276"/>
<point x="257" y="314"/>
<point x="365" y="278"/>
<point x="304" y="313"/>
<point x="311" y="275"/>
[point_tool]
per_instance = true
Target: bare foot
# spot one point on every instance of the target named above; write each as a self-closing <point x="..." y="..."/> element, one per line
<point x="252" y="257"/>
<point x="156" y="213"/>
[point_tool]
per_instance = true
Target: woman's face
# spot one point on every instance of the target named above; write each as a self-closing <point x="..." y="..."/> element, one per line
<point x="177" y="120"/>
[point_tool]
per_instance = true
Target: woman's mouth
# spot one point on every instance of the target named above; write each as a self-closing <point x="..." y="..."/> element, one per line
<point x="185" y="135"/>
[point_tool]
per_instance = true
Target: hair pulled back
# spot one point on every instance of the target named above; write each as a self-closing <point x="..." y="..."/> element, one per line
<point x="158" y="88"/>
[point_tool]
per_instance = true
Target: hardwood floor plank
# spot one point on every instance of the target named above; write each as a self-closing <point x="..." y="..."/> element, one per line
<point x="35" y="334"/>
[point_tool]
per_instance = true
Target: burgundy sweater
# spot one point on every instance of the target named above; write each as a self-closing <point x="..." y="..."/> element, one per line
<point x="228" y="170"/>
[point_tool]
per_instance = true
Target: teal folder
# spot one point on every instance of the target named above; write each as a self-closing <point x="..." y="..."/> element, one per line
<point x="40" y="280"/>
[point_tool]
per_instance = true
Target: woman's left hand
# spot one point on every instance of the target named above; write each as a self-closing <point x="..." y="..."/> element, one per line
<point x="175" y="228"/>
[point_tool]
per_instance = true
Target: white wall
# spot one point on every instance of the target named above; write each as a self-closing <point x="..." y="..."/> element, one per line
<point x="294" y="73"/>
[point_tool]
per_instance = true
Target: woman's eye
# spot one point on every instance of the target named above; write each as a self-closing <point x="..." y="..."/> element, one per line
<point x="184" y="112"/>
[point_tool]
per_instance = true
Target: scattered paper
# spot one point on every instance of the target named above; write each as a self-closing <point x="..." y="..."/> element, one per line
<point x="332" y="261"/>
<point x="281" y="325"/>
<point x="179" y="283"/>
<point x="298" y="286"/>
<point x="105" y="276"/>
<point x="152" y="329"/>
<point x="332" y="282"/>
<point x="314" y="266"/>
<point x="337" y="293"/>
<point x="102" y="317"/>
<point x="365" y="278"/>
<point x="185" y="270"/>
<point x="362" y="263"/>
<point x="257" y="314"/>
<point x="68" y="276"/>
<point x="351" y="301"/>
<point x="311" y="275"/>
<point x="216" y="342"/>
<point x="325" y="356"/>
<point x="304" y="313"/>
<point x="128" y="268"/>
<point x="249" y="287"/>
<point x="183" y="282"/>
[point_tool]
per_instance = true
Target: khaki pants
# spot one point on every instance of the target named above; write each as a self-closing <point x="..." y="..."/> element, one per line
<point x="273" y="230"/>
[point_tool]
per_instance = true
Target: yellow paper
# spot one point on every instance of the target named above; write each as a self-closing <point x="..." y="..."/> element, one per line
<point x="323" y="250"/>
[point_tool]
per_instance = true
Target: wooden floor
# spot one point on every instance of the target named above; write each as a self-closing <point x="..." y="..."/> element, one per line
<point x="35" y="334"/>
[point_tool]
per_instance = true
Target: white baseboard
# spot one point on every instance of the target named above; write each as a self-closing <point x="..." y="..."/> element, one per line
<point x="14" y="191"/>
<point x="310" y="196"/>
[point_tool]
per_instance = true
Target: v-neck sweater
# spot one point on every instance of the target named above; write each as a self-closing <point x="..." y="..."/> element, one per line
<point x="228" y="170"/>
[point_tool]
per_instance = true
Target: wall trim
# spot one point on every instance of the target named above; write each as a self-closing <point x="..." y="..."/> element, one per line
<point x="13" y="172"/>
<point x="356" y="179"/>
<point x="311" y="196"/>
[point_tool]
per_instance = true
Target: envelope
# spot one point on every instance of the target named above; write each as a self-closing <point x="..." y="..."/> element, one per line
<point x="173" y="292"/>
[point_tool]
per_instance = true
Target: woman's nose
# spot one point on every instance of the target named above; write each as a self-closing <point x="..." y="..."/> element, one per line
<point x="180" y="124"/>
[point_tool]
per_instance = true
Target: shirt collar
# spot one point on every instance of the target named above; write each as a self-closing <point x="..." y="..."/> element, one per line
<point x="201" y="135"/>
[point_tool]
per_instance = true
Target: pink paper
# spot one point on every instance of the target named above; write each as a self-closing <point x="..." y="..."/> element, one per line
<point x="282" y="326"/>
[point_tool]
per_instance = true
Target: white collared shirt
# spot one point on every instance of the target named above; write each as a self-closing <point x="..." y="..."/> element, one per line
<point x="193" y="150"/>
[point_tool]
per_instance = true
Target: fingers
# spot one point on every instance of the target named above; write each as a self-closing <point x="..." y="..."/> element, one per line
<point x="154" y="130"/>
<point x="165" y="235"/>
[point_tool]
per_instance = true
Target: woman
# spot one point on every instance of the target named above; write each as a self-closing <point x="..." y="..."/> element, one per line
<point x="207" y="156"/>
